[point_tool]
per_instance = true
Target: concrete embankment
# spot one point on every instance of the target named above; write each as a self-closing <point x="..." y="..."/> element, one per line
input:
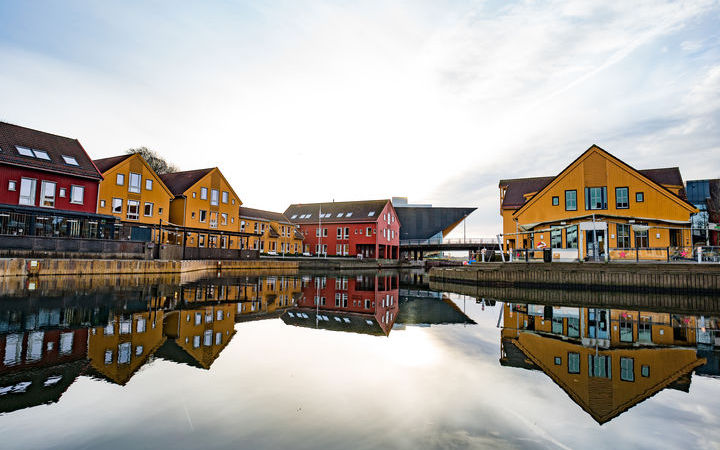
<point x="684" y="278"/>
<point x="42" y="267"/>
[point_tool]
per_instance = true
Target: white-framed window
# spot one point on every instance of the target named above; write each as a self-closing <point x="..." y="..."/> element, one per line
<point x="133" y="210"/>
<point x="368" y="231"/>
<point x="134" y="182"/>
<point x="141" y="325"/>
<point x="77" y="194"/>
<point x="47" y="194"/>
<point x="213" y="219"/>
<point x="125" y="327"/>
<point x="108" y="356"/>
<point x="148" y="184"/>
<point x="203" y="215"/>
<point x="62" y="192"/>
<point x="124" y="350"/>
<point x="223" y="218"/>
<point x="196" y="341"/>
<point x="203" y="193"/>
<point x="117" y="205"/>
<point x="339" y="232"/>
<point x="27" y="191"/>
<point x="120" y="179"/>
<point x="66" y="343"/>
<point x="214" y="197"/>
<point x="102" y="203"/>
<point x="24" y="151"/>
<point x="225" y="196"/>
<point x="148" y="209"/>
<point x="12" y="185"/>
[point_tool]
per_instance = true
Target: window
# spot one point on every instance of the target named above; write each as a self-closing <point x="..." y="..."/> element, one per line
<point x="203" y="216"/>
<point x="133" y="210"/>
<point x="571" y="237"/>
<point x="102" y="203"/>
<point x="623" y="235"/>
<point x="622" y="198"/>
<point x="573" y="362"/>
<point x="160" y="210"/>
<point x="138" y="350"/>
<point x="141" y="325"/>
<point x="148" y="209"/>
<point x="196" y="341"/>
<point x="117" y="205"/>
<point x="627" y="369"/>
<point x="203" y="193"/>
<point x="27" y="191"/>
<point x="214" y="197"/>
<point x="368" y="231"/>
<point x="198" y="316"/>
<point x="201" y="240"/>
<point x="108" y="356"/>
<point x="134" y="183"/>
<point x="639" y="197"/>
<point x="596" y="198"/>
<point x="148" y="184"/>
<point x="69" y="160"/>
<point x="339" y="232"/>
<point x="555" y="200"/>
<point x="599" y="366"/>
<point x="225" y="196"/>
<point x="77" y="194"/>
<point x="47" y="194"/>
<point x="62" y="192"/>
<point x="347" y="232"/>
<point x="24" y="151"/>
<point x="213" y="219"/>
<point x="371" y="213"/>
<point x="645" y="371"/>
<point x="41" y="154"/>
<point x="66" y="343"/>
<point x="558" y="361"/>
<point x="626" y="329"/>
<point x="645" y="329"/>
<point x="641" y="238"/>
<point x="556" y="237"/>
<point x="571" y="200"/>
<point x="207" y="338"/>
<point x="120" y="179"/>
<point x="12" y="185"/>
<point x="223" y="218"/>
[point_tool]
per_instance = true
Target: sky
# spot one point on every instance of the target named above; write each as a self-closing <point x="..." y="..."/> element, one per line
<point x="304" y="101"/>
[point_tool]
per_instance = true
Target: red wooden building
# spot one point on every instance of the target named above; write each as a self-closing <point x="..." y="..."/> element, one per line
<point x="48" y="185"/>
<point x="368" y="228"/>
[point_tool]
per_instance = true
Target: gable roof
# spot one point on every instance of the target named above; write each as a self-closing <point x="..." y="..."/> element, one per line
<point x="252" y="213"/>
<point x="518" y="187"/>
<point x="360" y="211"/>
<point x="670" y="174"/>
<point x="13" y="136"/>
<point x="105" y="164"/>
<point x="179" y="182"/>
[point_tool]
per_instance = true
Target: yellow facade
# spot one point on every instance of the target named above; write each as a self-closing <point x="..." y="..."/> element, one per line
<point x="625" y="208"/>
<point x="277" y="237"/>
<point x="133" y="192"/>
<point x="212" y="204"/>
<point x="121" y="347"/>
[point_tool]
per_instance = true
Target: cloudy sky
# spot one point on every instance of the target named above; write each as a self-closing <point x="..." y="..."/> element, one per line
<point x="302" y="101"/>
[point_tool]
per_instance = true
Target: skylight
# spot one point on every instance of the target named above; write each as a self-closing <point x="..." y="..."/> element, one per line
<point x="41" y="154"/>
<point x="70" y="160"/>
<point x="294" y="216"/>
<point x="25" y="151"/>
<point x="340" y="214"/>
<point x="371" y="213"/>
<point x="348" y="214"/>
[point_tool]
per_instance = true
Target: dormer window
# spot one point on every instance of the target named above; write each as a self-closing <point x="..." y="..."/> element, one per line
<point x="70" y="160"/>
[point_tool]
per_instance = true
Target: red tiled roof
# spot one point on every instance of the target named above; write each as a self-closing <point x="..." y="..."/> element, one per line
<point x="179" y="182"/>
<point x="13" y="136"/>
<point x="360" y="211"/>
<point x="106" y="164"/>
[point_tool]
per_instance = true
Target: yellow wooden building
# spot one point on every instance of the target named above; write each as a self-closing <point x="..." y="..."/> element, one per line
<point x="278" y="234"/>
<point x="134" y="193"/>
<point x="204" y="200"/>
<point x="598" y="201"/>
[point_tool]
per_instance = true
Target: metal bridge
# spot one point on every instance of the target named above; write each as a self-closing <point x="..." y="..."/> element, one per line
<point x="417" y="248"/>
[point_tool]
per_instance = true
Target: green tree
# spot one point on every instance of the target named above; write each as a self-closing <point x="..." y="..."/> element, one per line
<point x="158" y="163"/>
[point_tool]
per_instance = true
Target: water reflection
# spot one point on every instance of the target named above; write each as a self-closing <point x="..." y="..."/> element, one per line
<point x="609" y="360"/>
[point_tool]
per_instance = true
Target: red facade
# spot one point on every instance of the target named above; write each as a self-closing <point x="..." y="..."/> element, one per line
<point x="371" y="237"/>
<point x="14" y="174"/>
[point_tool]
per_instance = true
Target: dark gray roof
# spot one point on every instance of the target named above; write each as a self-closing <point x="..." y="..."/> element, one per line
<point x="360" y="211"/>
<point x="106" y="164"/>
<point x="251" y="213"/>
<point x="179" y="182"/>
<point x="349" y="322"/>
<point x="14" y="136"/>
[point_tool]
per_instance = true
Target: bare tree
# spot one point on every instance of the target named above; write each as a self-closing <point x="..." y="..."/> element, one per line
<point x="158" y="163"/>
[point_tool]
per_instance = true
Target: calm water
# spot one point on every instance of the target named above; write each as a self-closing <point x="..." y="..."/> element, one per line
<point x="372" y="360"/>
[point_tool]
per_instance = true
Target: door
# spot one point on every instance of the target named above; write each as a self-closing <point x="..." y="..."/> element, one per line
<point x="590" y="237"/>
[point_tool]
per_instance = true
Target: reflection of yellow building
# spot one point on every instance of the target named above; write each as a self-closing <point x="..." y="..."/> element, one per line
<point x="278" y="234"/>
<point x="132" y="191"/>
<point x="203" y="199"/>
<point x="604" y="376"/>
<point x="627" y="208"/>
<point x="269" y="295"/>
<point x="197" y="336"/>
<point x="117" y="350"/>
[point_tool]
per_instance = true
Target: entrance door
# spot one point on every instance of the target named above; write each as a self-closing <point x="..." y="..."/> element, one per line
<point x="590" y="243"/>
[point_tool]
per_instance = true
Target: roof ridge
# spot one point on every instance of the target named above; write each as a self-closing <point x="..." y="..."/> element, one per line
<point x="2" y="122"/>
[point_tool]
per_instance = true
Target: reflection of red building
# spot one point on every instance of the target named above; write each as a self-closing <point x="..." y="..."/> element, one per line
<point x="370" y="295"/>
<point x="41" y="348"/>
<point x="368" y="228"/>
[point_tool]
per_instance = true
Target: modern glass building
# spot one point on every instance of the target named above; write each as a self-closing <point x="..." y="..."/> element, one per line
<point x="423" y="222"/>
